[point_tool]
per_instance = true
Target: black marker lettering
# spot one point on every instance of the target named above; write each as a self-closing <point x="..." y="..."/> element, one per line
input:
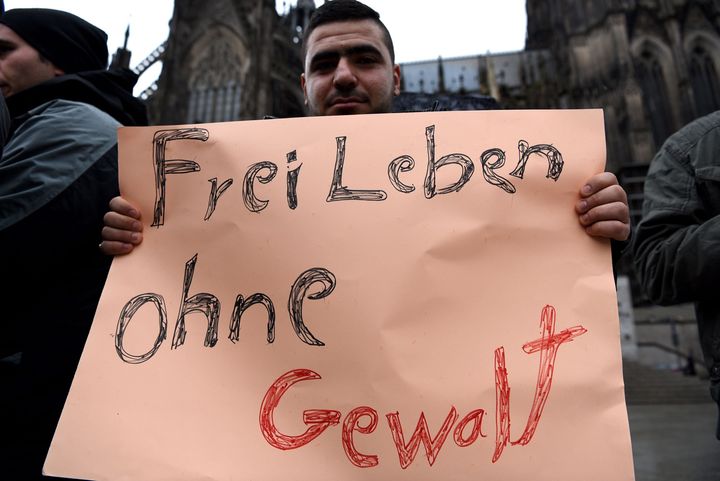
<point x="205" y="303"/>
<point x="241" y="305"/>
<point x="488" y="168"/>
<point x="404" y="163"/>
<point x="460" y="159"/>
<point x="292" y="179"/>
<point x="339" y="191"/>
<point x="251" y="202"/>
<point x="553" y="156"/>
<point x="215" y="193"/>
<point x="127" y="313"/>
<point x="298" y="294"/>
<point x="172" y="166"/>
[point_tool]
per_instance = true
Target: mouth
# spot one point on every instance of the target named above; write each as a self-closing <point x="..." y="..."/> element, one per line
<point x="347" y="105"/>
<point x="347" y="101"/>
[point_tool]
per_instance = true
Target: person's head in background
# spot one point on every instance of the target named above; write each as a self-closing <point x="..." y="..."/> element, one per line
<point x="38" y="44"/>
<point x="348" y="61"/>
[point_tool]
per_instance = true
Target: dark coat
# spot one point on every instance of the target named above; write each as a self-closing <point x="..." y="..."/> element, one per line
<point x="57" y="175"/>
<point x="676" y="246"/>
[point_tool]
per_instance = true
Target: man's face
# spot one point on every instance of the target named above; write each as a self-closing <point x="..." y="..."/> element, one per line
<point x="21" y="66"/>
<point x="348" y="70"/>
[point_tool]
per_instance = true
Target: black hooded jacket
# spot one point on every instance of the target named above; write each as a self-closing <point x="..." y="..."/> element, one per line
<point x="57" y="174"/>
<point x="108" y="90"/>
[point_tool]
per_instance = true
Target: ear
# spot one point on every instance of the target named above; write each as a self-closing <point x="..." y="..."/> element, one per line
<point x="396" y="80"/>
<point x="303" y="85"/>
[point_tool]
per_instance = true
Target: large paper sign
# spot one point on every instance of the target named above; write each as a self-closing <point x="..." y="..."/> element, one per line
<point x="384" y="297"/>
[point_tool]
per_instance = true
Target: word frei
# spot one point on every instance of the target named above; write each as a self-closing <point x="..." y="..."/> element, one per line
<point x="264" y="172"/>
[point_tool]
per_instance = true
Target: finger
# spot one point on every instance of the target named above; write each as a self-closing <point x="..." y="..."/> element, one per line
<point x="610" y="229"/>
<point x="120" y="221"/>
<point x="113" y="248"/>
<point x="121" y="235"/>
<point x="598" y="182"/>
<point x="608" y="195"/>
<point x="121" y="206"/>
<point x="612" y="211"/>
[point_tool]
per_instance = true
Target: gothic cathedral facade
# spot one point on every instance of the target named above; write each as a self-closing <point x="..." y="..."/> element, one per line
<point x="651" y="65"/>
<point x="230" y="60"/>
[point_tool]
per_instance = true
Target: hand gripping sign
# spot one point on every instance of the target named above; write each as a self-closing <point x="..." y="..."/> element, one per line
<point x="386" y="297"/>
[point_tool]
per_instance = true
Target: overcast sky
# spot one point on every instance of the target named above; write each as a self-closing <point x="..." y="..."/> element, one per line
<point x="421" y="29"/>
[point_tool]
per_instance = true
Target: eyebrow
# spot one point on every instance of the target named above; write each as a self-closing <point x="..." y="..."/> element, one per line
<point x="355" y="50"/>
<point x="7" y="44"/>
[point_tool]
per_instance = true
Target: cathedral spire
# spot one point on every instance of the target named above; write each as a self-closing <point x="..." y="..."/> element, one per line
<point x="121" y="57"/>
<point x="127" y="36"/>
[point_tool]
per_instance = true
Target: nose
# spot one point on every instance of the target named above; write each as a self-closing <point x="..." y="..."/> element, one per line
<point x="344" y="75"/>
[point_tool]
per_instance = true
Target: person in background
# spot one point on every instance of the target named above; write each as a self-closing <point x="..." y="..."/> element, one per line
<point x="676" y="246"/>
<point x="58" y="171"/>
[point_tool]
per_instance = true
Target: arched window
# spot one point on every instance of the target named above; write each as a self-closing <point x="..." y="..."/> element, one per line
<point x="655" y="96"/>
<point x="215" y="93"/>
<point x="704" y="80"/>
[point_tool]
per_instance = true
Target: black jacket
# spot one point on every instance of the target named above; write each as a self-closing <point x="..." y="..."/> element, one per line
<point x="57" y="175"/>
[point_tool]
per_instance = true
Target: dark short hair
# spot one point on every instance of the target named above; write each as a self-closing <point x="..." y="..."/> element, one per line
<point x="342" y="11"/>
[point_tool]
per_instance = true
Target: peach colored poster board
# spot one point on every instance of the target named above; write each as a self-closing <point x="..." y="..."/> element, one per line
<point x="388" y="297"/>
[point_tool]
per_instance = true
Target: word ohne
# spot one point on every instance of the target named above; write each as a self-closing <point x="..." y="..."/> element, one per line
<point x="209" y="306"/>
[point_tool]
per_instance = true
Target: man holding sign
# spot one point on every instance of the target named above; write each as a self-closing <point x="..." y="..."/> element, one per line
<point x="349" y="63"/>
<point x="370" y="332"/>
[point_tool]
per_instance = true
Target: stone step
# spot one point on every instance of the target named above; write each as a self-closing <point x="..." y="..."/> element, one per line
<point x="646" y="385"/>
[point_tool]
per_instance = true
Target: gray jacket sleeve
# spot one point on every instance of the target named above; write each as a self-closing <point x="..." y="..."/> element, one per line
<point x="676" y="246"/>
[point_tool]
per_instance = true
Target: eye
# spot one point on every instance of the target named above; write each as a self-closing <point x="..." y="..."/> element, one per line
<point x="366" y="59"/>
<point x="323" y="66"/>
<point x="324" y="63"/>
<point x="5" y="49"/>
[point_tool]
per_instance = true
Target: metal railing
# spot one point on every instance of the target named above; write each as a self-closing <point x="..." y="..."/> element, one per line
<point x="691" y="363"/>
